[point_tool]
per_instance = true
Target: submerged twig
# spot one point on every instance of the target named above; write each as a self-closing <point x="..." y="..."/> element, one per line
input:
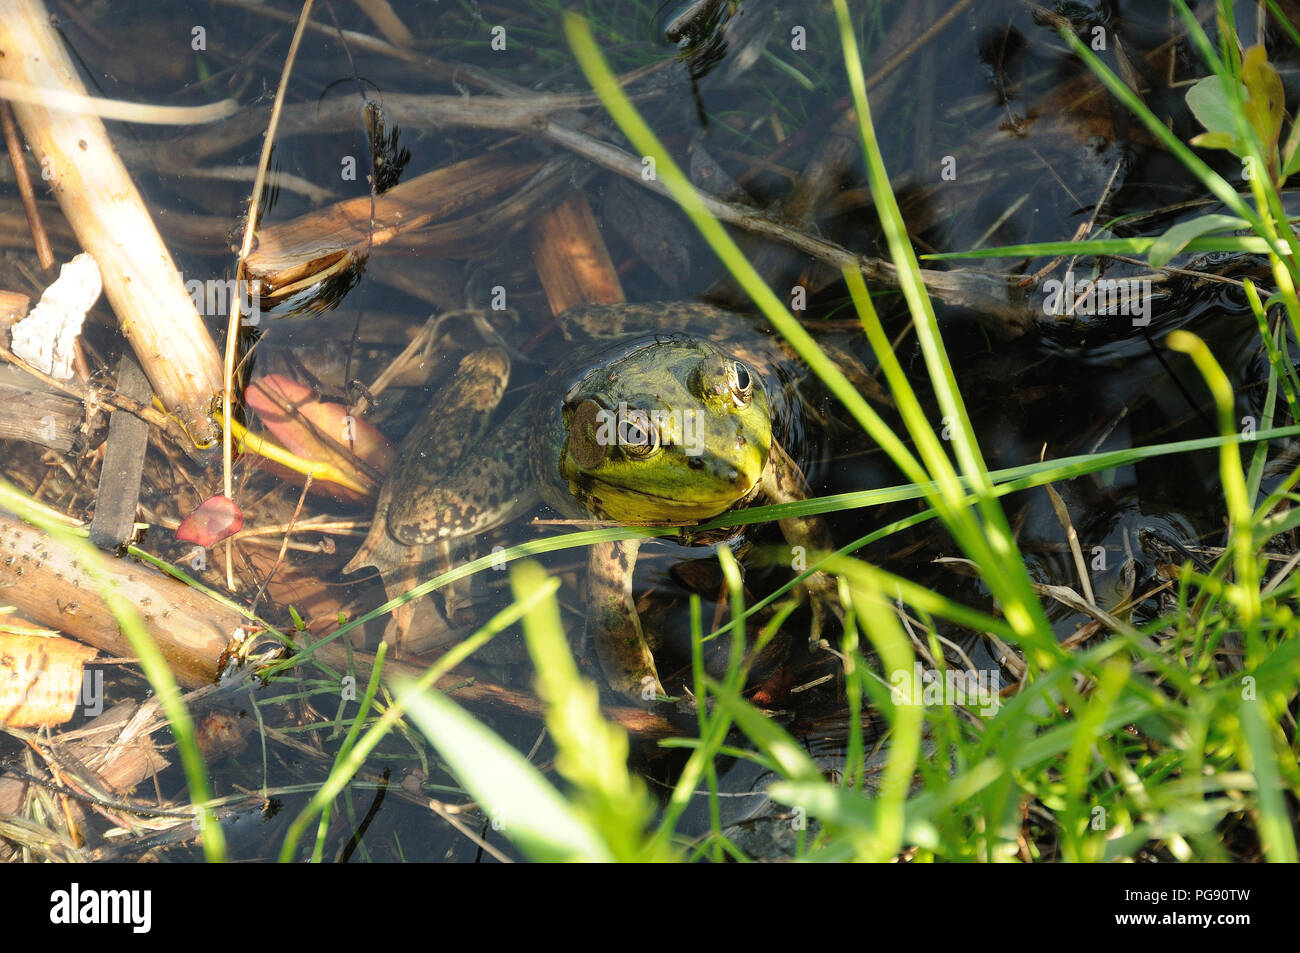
<point x="250" y="226"/>
<point x="44" y="252"/>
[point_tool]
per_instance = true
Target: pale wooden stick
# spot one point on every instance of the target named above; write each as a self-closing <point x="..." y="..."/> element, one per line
<point x="387" y="22"/>
<point x="116" y="108"/>
<point x="46" y="584"/>
<point x="110" y="220"/>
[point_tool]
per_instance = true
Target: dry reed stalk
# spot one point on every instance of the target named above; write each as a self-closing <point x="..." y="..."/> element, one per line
<point x="110" y="220"/>
<point x="571" y="258"/>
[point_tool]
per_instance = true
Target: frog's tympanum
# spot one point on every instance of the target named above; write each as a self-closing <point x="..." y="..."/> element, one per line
<point x="659" y="413"/>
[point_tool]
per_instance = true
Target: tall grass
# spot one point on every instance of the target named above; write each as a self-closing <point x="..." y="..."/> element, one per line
<point x="1142" y="740"/>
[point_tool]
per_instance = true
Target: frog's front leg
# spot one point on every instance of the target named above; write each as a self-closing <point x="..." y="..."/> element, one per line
<point x="783" y="482"/>
<point x="613" y="624"/>
<point x="456" y="475"/>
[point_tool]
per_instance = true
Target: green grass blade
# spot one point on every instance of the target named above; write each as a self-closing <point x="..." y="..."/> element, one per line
<point x="521" y="802"/>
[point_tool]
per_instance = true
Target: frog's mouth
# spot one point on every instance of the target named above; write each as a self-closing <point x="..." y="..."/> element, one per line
<point x="626" y="504"/>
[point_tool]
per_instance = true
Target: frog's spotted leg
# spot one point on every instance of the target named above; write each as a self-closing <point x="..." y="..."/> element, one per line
<point x="783" y="482"/>
<point x="401" y="568"/>
<point x="458" y="479"/>
<point x="447" y="440"/>
<point x="489" y="489"/>
<point x="613" y="624"/>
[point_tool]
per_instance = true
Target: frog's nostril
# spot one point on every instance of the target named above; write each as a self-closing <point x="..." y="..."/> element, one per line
<point x="695" y="463"/>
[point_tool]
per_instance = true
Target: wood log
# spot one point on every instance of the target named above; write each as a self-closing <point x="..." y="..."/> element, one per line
<point x="40" y="578"/>
<point x="35" y="413"/>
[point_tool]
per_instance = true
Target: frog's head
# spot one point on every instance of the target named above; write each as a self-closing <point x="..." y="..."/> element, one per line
<point x="675" y="430"/>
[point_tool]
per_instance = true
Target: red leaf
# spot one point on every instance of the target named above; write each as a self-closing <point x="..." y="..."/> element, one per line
<point x="318" y="432"/>
<point x="216" y="518"/>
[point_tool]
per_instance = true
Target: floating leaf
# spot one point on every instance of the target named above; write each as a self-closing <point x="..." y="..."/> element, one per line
<point x="1208" y="101"/>
<point x="317" y="437"/>
<point x="215" y="518"/>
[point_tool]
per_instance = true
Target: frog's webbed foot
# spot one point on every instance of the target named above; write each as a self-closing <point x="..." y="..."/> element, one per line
<point x="614" y="626"/>
<point x="823" y="600"/>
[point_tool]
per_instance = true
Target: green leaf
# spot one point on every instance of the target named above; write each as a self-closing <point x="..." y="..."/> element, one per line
<point x="1264" y="107"/>
<point x="591" y="752"/>
<point x="1175" y="240"/>
<point x="1210" y="104"/>
<point x="530" y="812"/>
<point x="846" y="809"/>
<point x="1273" y="815"/>
<point x="771" y="738"/>
<point x="1291" y="152"/>
<point x="1217" y="140"/>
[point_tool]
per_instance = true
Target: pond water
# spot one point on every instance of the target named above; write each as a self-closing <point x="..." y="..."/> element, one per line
<point x="992" y="136"/>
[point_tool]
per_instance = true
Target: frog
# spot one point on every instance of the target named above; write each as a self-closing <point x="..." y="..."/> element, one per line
<point x="660" y="413"/>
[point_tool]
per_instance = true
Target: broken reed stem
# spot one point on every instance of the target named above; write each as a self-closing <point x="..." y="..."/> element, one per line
<point x="108" y="216"/>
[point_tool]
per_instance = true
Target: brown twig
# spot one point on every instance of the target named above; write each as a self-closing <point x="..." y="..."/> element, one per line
<point x="986" y="295"/>
<point x="284" y="545"/>
<point x="164" y="422"/>
<point x="44" y="251"/>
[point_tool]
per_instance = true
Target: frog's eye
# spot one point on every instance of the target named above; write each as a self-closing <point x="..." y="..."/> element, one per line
<point x="637" y="435"/>
<point x="740" y="382"/>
